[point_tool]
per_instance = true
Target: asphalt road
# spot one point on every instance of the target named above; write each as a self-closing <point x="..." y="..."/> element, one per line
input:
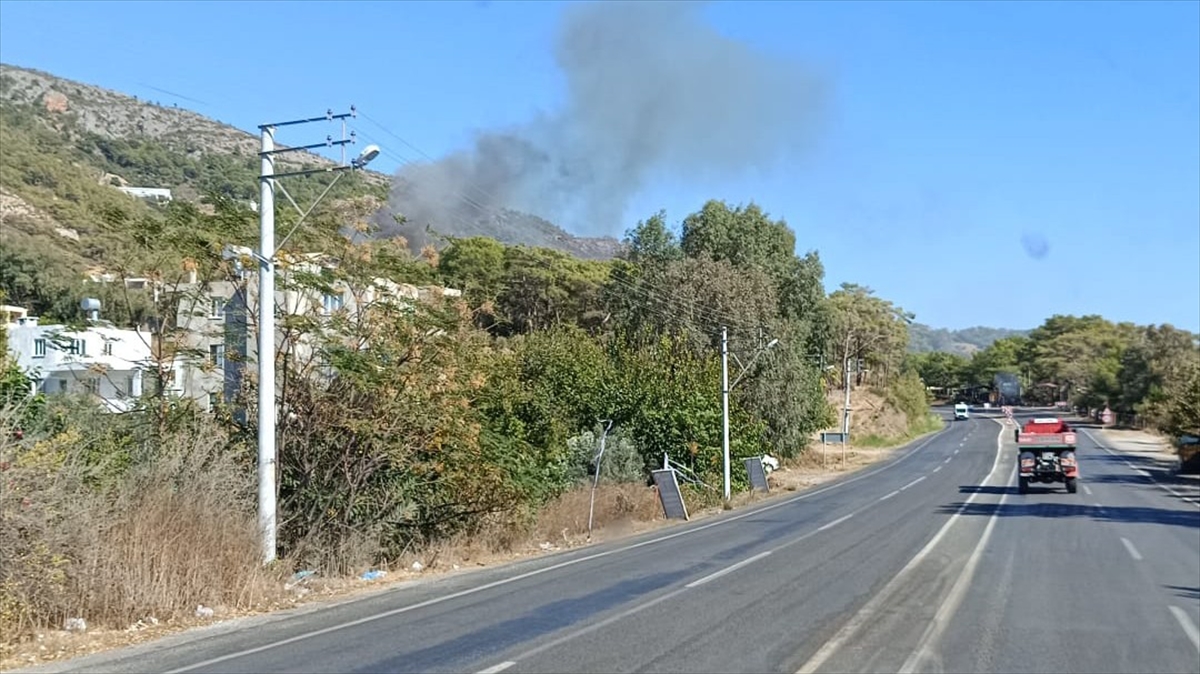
<point x="929" y="562"/>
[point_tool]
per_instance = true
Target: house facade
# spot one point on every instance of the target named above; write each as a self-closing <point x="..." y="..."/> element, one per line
<point x="100" y="360"/>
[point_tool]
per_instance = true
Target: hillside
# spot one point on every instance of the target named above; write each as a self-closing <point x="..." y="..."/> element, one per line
<point x="922" y="338"/>
<point x="68" y="146"/>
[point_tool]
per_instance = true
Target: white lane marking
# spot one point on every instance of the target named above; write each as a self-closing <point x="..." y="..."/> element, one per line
<point x="948" y="458"/>
<point x="884" y="498"/>
<point x="496" y="669"/>
<point x="937" y="469"/>
<point x="835" y="522"/>
<point x="1087" y="490"/>
<point x="912" y="483"/>
<point x="554" y="567"/>
<point x="874" y="605"/>
<point x="728" y="569"/>
<point x="1133" y="552"/>
<point x="956" y="451"/>
<point x="954" y="599"/>
<point x="1189" y="627"/>
<point x="654" y="602"/>
<point x="1183" y="497"/>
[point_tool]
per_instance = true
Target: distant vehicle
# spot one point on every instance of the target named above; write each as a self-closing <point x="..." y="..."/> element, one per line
<point x="1047" y="447"/>
<point x="1007" y="389"/>
<point x="962" y="411"/>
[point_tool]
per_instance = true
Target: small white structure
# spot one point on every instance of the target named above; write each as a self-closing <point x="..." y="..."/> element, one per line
<point x="101" y="360"/>
<point x="153" y="193"/>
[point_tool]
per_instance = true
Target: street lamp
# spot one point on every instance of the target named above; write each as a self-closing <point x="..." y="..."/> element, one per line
<point x="266" y="303"/>
<point x="726" y="387"/>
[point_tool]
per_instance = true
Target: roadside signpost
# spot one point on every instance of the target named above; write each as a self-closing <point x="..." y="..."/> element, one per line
<point x="669" y="494"/>
<point x="758" y="475"/>
<point x="833" y="437"/>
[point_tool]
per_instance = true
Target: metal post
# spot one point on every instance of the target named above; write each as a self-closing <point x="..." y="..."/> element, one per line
<point x="596" y="478"/>
<point x="266" y="350"/>
<point x="725" y="403"/>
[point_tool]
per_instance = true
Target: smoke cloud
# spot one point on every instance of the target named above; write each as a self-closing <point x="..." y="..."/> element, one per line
<point x="652" y="92"/>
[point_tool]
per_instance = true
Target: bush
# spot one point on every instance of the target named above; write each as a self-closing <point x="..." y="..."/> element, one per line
<point x="621" y="461"/>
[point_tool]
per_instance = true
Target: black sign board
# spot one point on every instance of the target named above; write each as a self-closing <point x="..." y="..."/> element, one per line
<point x="758" y="476"/>
<point x="669" y="494"/>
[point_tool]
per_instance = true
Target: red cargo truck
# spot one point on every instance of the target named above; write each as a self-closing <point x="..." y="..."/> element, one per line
<point x="1047" y="447"/>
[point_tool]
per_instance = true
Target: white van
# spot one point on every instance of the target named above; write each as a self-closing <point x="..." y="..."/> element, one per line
<point x="962" y="411"/>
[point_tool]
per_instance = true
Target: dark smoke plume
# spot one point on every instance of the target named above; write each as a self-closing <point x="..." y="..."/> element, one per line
<point x="652" y="92"/>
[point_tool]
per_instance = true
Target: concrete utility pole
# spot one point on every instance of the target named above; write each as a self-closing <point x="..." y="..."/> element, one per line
<point x="266" y="346"/>
<point x="267" y="460"/>
<point x="725" y="404"/>
<point x="846" y="407"/>
<point x="725" y="388"/>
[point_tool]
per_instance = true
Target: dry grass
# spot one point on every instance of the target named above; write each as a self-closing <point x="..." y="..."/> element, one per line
<point x="168" y="535"/>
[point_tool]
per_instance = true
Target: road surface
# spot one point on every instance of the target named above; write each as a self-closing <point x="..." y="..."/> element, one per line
<point x="929" y="562"/>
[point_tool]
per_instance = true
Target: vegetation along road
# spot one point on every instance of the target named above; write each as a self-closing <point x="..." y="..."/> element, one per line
<point x="928" y="562"/>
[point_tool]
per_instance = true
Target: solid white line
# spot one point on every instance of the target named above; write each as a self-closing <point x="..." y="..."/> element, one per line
<point x="1099" y="444"/>
<point x="884" y="498"/>
<point x="950" y="604"/>
<point x="728" y="569"/>
<point x="835" y="522"/>
<point x="537" y="572"/>
<point x="912" y="483"/>
<point x="496" y="669"/>
<point x="1188" y="626"/>
<point x="1087" y="490"/>
<point x="874" y="605"/>
<point x="1133" y="552"/>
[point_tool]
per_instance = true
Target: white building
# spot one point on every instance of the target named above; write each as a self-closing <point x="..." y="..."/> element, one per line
<point x="100" y="360"/>
<point x="152" y="193"/>
<point x="216" y="340"/>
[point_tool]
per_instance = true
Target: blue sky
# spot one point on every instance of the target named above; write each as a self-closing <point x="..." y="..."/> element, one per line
<point x="952" y="131"/>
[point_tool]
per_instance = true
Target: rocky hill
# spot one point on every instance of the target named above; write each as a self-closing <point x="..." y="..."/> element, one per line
<point x="922" y="338"/>
<point x="60" y="132"/>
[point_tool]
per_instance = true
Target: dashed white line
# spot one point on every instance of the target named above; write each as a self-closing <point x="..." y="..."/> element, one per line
<point x="730" y="569"/>
<point x="937" y="469"/>
<point x="835" y="522"/>
<point x="948" y="458"/>
<point x="1188" y="626"/>
<point x="1133" y="552"/>
<point x="1087" y="490"/>
<point x="912" y="483"/>
<point x="884" y="498"/>
<point x="956" y="451"/>
<point x="496" y="669"/>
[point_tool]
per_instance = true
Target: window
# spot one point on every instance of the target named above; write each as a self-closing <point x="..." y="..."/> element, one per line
<point x="78" y="347"/>
<point x="107" y="350"/>
<point x="39" y="348"/>
<point x="129" y="382"/>
<point x="91" y="385"/>
<point x="216" y="307"/>
<point x="216" y="353"/>
<point x="214" y="399"/>
<point x="332" y="303"/>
